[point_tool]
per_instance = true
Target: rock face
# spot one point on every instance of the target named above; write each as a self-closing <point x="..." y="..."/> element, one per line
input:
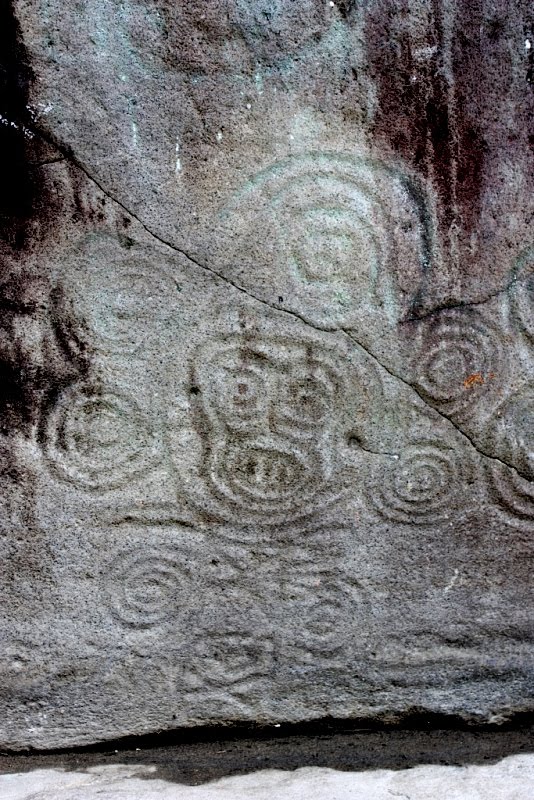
<point x="266" y="344"/>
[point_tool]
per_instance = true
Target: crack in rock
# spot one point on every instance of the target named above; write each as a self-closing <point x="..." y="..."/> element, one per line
<point x="414" y="389"/>
<point x="70" y="156"/>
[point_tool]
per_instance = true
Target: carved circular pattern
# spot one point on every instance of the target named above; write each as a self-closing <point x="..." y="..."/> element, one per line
<point x="272" y="404"/>
<point x="424" y="486"/>
<point x="98" y="440"/>
<point x="145" y="586"/>
<point x="270" y="383"/>
<point x="237" y="394"/>
<point x="512" y="438"/>
<point x="351" y="232"/>
<point x="127" y="300"/>
<point x="117" y="305"/>
<point x="304" y="399"/>
<point x="321" y="624"/>
<point x="512" y="492"/>
<point x="522" y="294"/>
<point x="233" y="645"/>
<point x="325" y="223"/>
<point x="459" y="359"/>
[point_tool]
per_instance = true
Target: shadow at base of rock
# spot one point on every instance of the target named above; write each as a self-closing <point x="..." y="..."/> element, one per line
<point x="198" y="755"/>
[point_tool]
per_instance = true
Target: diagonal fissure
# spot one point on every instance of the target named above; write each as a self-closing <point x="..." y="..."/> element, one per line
<point x="69" y="154"/>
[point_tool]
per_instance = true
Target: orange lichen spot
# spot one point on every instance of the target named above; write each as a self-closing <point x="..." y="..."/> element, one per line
<point x="476" y="379"/>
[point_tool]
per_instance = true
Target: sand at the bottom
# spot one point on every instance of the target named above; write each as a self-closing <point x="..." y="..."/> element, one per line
<point x="510" y="779"/>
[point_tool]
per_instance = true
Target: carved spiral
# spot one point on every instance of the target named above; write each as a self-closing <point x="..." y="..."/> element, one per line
<point x="458" y="360"/>
<point x="145" y="586"/>
<point x="116" y="302"/>
<point x="513" y="493"/>
<point x="97" y="439"/>
<point x="512" y="439"/>
<point x="522" y="294"/>
<point x="423" y="487"/>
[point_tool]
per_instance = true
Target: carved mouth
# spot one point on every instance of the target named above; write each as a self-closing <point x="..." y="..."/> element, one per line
<point x="264" y="475"/>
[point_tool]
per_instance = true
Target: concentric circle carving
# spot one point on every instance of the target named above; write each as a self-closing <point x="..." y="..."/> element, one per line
<point x="265" y="476"/>
<point x="236" y="393"/>
<point x="127" y="301"/>
<point x="350" y="233"/>
<point x="304" y="399"/>
<point x="521" y="294"/>
<point x="458" y="361"/>
<point x="117" y="298"/>
<point x="325" y="225"/>
<point x="512" y="439"/>
<point x="513" y="493"/>
<point x="98" y="439"/>
<point x="423" y="487"/>
<point x="146" y="586"/>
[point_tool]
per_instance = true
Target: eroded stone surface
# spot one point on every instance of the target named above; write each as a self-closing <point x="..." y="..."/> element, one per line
<point x="267" y="347"/>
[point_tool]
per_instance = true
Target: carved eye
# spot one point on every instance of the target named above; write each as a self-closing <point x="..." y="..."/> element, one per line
<point x="226" y="655"/>
<point x="309" y="398"/>
<point x="242" y="393"/>
<point x="304" y="402"/>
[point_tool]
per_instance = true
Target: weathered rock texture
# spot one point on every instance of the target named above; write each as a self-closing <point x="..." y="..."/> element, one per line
<point x="267" y="341"/>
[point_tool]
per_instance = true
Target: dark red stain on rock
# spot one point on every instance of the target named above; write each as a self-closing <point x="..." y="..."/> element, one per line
<point x="34" y="365"/>
<point x="430" y="71"/>
<point x="467" y="59"/>
<point x="413" y="114"/>
<point x="36" y="360"/>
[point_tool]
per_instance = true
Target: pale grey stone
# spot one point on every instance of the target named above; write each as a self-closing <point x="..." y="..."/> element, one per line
<point x="510" y="779"/>
<point x="267" y="443"/>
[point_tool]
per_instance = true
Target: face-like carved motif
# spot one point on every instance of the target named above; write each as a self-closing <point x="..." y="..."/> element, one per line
<point x="345" y="238"/>
<point x="268" y="402"/>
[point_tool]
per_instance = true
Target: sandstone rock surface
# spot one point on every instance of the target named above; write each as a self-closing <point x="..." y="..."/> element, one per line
<point x="267" y="341"/>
